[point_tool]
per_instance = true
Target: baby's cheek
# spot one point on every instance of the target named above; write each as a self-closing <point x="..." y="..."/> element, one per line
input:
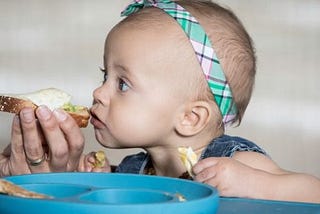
<point x="125" y="130"/>
<point x="140" y="123"/>
<point x="137" y="131"/>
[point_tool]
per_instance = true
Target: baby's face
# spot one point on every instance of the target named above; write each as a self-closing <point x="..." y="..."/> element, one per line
<point x="138" y="102"/>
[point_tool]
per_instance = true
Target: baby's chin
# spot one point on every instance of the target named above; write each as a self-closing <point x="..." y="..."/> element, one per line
<point x="107" y="141"/>
<point x="110" y="141"/>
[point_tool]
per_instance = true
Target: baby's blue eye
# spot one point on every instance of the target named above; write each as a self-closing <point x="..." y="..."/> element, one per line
<point x="123" y="86"/>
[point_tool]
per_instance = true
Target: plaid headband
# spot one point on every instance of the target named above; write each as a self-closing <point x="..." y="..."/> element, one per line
<point x="203" y="49"/>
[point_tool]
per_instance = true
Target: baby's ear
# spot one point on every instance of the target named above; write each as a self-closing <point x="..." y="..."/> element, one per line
<point x="193" y="119"/>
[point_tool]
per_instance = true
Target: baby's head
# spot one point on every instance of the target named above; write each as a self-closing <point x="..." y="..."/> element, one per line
<point x="231" y="42"/>
<point x="152" y="46"/>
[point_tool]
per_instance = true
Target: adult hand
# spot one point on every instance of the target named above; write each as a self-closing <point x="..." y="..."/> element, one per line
<point x="51" y="143"/>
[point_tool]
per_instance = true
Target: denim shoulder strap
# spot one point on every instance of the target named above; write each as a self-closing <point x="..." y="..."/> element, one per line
<point x="226" y="146"/>
<point x="133" y="163"/>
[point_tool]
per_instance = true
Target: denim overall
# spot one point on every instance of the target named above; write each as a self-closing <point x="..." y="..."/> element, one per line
<point x="223" y="146"/>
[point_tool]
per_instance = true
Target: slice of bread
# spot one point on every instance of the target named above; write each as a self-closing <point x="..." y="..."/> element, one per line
<point x="14" y="104"/>
<point x="7" y="187"/>
<point x="51" y="97"/>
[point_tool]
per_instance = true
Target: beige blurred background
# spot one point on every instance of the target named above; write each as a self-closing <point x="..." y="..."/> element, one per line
<point x="60" y="44"/>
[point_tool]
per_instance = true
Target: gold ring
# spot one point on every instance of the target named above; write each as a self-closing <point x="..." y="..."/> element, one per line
<point x="36" y="162"/>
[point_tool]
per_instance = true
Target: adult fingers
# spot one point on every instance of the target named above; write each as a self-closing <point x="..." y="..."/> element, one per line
<point x="16" y="149"/>
<point x="14" y="153"/>
<point x="73" y="135"/>
<point x="58" y="146"/>
<point x="30" y="141"/>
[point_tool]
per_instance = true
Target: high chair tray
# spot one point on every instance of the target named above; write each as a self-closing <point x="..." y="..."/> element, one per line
<point x="110" y="193"/>
<point x="254" y="206"/>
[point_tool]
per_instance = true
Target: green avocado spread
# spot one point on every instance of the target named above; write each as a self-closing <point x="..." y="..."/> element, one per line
<point x="71" y="108"/>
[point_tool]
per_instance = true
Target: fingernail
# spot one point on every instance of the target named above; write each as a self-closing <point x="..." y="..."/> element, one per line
<point x="60" y="115"/>
<point x="44" y="112"/>
<point x="27" y="115"/>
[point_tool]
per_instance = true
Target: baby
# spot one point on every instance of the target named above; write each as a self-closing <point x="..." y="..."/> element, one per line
<point x="171" y="82"/>
<point x="175" y="75"/>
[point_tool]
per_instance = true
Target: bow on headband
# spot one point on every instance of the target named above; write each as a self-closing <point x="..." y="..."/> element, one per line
<point x="203" y="49"/>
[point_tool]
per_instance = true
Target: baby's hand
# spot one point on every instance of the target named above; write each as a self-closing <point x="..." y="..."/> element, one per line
<point x="229" y="176"/>
<point x="94" y="162"/>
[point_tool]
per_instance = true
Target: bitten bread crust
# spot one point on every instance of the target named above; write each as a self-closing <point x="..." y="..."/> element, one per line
<point x="15" y="105"/>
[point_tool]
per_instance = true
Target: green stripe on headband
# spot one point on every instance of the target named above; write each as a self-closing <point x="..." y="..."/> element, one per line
<point x="203" y="49"/>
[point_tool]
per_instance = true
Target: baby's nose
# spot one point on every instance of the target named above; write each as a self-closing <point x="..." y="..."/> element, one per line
<point x="101" y="95"/>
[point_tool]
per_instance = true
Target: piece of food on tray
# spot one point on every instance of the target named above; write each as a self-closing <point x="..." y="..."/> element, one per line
<point x="8" y="188"/>
<point x="100" y="159"/>
<point x="181" y="197"/>
<point x="189" y="158"/>
<point x="51" y="97"/>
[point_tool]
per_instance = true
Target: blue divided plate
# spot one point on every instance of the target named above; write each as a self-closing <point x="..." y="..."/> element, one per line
<point x="110" y="193"/>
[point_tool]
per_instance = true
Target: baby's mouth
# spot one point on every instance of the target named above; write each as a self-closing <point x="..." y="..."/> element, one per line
<point x="95" y="121"/>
